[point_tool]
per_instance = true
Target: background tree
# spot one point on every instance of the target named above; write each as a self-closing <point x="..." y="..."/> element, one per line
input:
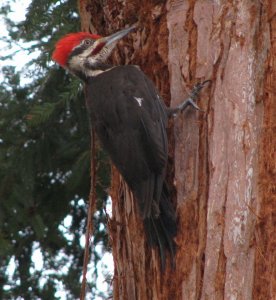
<point x="222" y="163"/>
<point x="44" y="164"/>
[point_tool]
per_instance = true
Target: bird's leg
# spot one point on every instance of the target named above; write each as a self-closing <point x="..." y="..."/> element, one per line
<point x="190" y="101"/>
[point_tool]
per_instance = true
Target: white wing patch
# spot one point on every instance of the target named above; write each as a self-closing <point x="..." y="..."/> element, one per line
<point x="139" y="100"/>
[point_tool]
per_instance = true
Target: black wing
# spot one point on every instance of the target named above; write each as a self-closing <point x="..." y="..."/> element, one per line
<point x="130" y="121"/>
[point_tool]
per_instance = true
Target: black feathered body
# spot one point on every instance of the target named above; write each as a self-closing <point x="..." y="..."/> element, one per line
<point x="130" y="121"/>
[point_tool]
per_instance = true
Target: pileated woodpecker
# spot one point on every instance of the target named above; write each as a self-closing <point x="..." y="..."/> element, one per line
<point x="130" y="121"/>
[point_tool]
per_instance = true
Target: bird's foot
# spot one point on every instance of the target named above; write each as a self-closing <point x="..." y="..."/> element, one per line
<point x="190" y="101"/>
<point x="194" y="96"/>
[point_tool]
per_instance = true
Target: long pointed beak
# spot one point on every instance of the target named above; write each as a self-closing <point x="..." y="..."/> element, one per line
<point x="116" y="36"/>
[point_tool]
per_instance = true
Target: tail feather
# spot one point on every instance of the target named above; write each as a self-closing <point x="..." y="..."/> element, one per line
<point x="161" y="230"/>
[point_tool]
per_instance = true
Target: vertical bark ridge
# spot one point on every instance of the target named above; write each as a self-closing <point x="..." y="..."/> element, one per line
<point x="265" y="233"/>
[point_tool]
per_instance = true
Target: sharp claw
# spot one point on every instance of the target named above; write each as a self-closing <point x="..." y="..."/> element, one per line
<point x="200" y="85"/>
<point x="206" y="81"/>
<point x="197" y="88"/>
<point x="193" y="104"/>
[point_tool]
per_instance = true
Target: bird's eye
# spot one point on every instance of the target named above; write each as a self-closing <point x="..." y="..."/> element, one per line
<point x="87" y="42"/>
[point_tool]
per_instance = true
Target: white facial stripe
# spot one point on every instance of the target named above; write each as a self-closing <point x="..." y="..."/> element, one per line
<point x="87" y="51"/>
<point x="76" y="63"/>
<point x="86" y="63"/>
<point x="94" y="73"/>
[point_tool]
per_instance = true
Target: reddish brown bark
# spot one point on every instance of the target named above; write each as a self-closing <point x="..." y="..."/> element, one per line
<point x="224" y="159"/>
<point x="265" y="232"/>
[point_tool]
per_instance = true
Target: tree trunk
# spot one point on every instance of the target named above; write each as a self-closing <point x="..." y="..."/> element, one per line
<point x="221" y="162"/>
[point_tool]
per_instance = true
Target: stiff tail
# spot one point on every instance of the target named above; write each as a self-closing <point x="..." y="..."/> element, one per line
<point x="162" y="229"/>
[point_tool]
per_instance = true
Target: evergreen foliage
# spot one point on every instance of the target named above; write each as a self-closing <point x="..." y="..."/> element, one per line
<point x="45" y="163"/>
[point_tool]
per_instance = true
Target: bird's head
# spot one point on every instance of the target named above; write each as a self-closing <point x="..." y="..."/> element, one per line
<point x="84" y="53"/>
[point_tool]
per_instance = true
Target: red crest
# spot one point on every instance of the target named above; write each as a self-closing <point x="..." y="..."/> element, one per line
<point x="66" y="44"/>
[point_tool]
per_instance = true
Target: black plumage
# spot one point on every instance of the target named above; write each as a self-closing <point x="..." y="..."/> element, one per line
<point x="130" y="121"/>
